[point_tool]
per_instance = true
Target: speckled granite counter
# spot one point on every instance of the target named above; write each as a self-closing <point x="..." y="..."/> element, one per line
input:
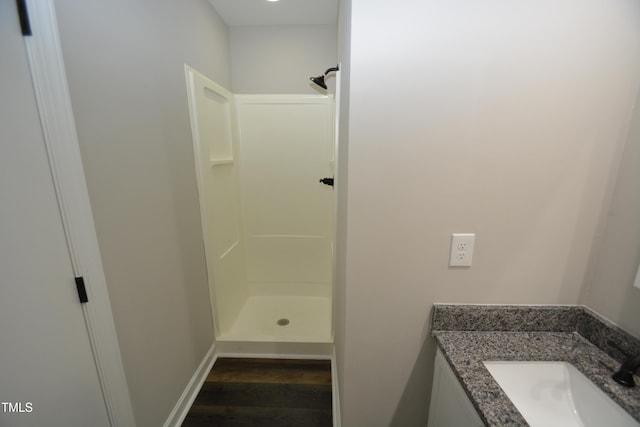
<point x="470" y="334"/>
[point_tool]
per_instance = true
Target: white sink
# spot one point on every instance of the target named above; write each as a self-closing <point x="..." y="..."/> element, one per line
<point x="557" y="394"/>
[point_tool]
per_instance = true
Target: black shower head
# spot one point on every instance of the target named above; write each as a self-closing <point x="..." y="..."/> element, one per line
<point x="320" y="79"/>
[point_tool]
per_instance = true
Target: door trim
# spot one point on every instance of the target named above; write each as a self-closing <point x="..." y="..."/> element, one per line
<point x="48" y="75"/>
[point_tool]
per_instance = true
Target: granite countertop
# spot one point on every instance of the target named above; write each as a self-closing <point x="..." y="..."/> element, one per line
<point x="572" y="334"/>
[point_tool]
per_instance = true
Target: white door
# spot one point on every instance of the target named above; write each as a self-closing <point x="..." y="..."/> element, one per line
<point x="48" y="375"/>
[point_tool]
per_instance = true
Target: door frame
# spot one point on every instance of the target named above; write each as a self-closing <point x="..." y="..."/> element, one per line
<point x="44" y="55"/>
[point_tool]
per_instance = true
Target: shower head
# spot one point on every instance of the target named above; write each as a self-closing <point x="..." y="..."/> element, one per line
<point x="320" y="79"/>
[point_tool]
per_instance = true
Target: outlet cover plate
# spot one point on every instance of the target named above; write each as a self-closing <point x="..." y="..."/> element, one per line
<point x="461" y="249"/>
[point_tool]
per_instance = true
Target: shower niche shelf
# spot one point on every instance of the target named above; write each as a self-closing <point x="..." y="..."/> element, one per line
<point x="220" y="162"/>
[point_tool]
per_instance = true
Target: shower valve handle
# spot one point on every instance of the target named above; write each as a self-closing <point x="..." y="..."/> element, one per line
<point x="327" y="181"/>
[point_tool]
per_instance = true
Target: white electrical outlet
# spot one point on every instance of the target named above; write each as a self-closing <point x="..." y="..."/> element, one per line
<point x="461" y="249"/>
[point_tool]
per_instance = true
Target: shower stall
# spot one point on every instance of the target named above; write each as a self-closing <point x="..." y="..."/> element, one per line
<point x="264" y="165"/>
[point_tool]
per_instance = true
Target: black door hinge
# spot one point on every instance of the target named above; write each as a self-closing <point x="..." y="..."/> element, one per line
<point x="82" y="291"/>
<point x="23" y="14"/>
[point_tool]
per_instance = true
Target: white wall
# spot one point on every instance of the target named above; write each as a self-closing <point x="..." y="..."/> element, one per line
<point x="280" y="59"/>
<point x="125" y="65"/>
<point x="286" y="146"/>
<point x="609" y="289"/>
<point x="489" y="117"/>
<point x="341" y="188"/>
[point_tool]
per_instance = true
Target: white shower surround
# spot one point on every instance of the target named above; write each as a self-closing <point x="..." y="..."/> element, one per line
<point x="267" y="221"/>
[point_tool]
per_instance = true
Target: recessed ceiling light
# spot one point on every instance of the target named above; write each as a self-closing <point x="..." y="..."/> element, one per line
<point x="272" y="0"/>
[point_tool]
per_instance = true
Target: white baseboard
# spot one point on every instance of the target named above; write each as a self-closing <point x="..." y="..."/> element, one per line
<point x="278" y="350"/>
<point x="335" y="392"/>
<point x="181" y="409"/>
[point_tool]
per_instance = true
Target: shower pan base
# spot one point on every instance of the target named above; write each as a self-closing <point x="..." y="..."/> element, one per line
<point x="283" y="319"/>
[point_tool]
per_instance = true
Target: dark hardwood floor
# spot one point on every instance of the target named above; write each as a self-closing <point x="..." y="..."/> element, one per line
<point x="264" y="393"/>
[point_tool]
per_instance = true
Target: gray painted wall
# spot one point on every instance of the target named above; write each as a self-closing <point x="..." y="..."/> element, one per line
<point x="609" y="290"/>
<point x="280" y="59"/>
<point x="125" y="66"/>
<point x="341" y="187"/>
<point x="492" y="119"/>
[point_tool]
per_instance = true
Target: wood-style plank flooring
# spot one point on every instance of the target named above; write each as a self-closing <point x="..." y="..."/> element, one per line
<point x="264" y="393"/>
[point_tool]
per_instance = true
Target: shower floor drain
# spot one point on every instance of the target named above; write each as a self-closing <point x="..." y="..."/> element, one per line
<point x="282" y="322"/>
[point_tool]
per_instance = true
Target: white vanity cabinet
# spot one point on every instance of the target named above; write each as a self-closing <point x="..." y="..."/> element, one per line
<point x="450" y="406"/>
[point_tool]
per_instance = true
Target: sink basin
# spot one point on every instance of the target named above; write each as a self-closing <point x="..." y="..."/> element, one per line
<point x="557" y="394"/>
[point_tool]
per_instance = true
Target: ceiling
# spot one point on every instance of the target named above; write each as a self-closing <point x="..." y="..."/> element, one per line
<point x="282" y="12"/>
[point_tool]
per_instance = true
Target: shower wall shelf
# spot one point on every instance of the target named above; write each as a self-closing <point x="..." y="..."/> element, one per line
<point x="219" y="162"/>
